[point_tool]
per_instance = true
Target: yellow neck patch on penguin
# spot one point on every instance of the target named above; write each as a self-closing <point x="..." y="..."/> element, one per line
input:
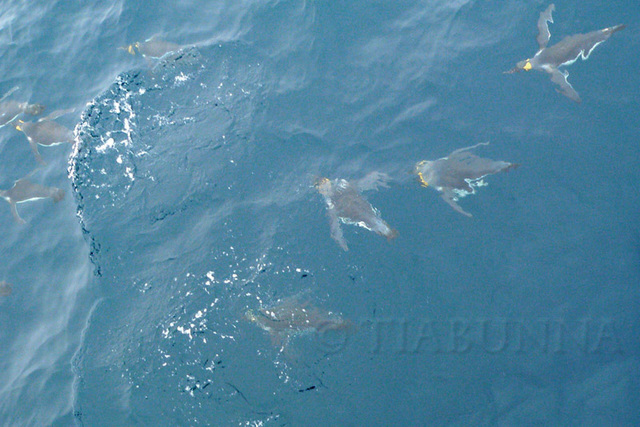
<point x="422" y="180"/>
<point x="527" y="66"/>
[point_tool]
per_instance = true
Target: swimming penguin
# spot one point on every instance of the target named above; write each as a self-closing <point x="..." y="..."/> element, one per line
<point x="9" y="110"/>
<point x="5" y="289"/>
<point x="153" y="48"/>
<point x="563" y="53"/>
<point x="45" y="132"/>
<point x="458" y="174"/>
<point x="346" y="204"/>
<point x="24" y="190"/>
<point x="294" y="316"/>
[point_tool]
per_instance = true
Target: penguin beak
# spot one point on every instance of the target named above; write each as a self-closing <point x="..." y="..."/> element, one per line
<point x="522" y="65"/>
<point x="130" y="49"/>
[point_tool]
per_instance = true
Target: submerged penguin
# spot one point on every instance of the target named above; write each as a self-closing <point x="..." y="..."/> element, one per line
<point x="9" y="110"/>
<point x="24" y="190"/>
<point x="5" y="289"/>
<point x="294" y="316"/>
<point x="563" y="53"/>
<point x="346" y="204"/>
<point x="45" y="132"/>
<point x="458" y="174"/>
<point x="152" y="48"/>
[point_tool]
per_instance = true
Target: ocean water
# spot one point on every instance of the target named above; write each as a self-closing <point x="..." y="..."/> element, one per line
<point x="189" y="200"/>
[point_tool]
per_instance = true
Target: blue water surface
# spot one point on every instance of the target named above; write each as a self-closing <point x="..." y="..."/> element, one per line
<point x="190" y="200"/>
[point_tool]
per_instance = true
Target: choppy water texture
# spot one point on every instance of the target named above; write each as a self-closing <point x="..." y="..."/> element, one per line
<point x="189" y="276"/>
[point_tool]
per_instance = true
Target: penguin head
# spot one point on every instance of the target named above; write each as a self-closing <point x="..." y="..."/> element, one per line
<point x="131" y="49"/>
<point x="18" y="125"/>
<point x="250" y="316"/>
<point x="261" y="318"/>
<point x="524" y="65"/>
<point x="423" y="170"/>
<point x="34" y="109"/>
<point x="323" y="185"/>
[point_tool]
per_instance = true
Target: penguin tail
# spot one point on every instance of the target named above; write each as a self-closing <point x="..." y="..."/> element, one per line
<point x="392" y="234"/>
<point x="511" y="166"/>
<point x="58" y="195"/>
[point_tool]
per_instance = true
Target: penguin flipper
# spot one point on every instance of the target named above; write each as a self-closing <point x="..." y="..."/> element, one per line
<point x="460" y="150"/>
<point x="55" y="114"/>
<point x="36" y="153"/>
<point x="372" y="181"/>
<point x="543" y="27"/>
<point x="560" y="78"/>
<point x="9" y="92"/>
<point x="156" y="36"/>
<point x="14" y="212"/>
<point x="448" y="197"/>
<point x="336" y="230"/>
